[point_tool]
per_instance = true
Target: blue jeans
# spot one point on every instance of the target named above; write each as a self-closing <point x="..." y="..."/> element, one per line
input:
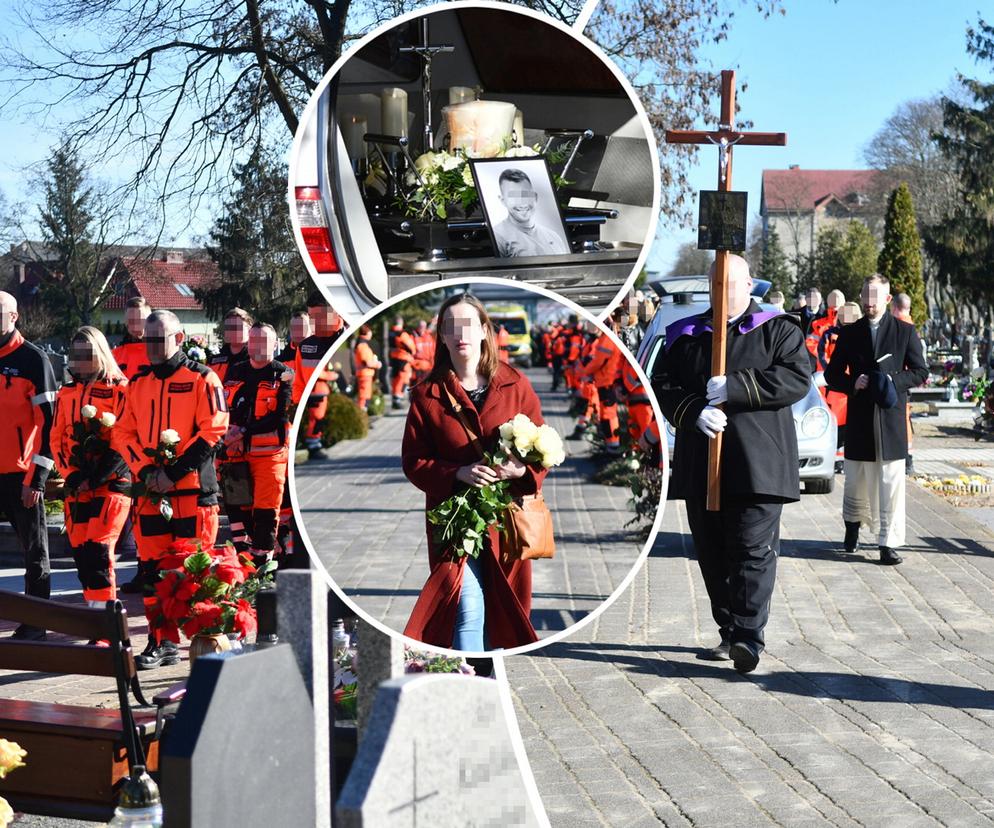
<point x="469" y="618"/>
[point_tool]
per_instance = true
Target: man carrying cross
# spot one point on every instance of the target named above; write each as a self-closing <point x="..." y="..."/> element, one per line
<point x="767" y="370"/>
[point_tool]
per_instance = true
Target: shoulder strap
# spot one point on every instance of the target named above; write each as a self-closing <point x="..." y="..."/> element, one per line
<point x="457" y="410"/>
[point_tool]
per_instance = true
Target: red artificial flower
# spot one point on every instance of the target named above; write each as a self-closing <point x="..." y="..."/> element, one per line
<point x="245" y="618"/>
<point x="203" y="614"/>
<point x="166" y="585"/>
<point x="230" y="570"/>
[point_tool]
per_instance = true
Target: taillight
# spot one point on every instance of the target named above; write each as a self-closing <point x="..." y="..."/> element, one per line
<point x="313" y="222"/>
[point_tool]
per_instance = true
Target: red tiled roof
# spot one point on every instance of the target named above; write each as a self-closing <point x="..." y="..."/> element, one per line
<point x="804" y="189"/>
<point x="158" y="282"/>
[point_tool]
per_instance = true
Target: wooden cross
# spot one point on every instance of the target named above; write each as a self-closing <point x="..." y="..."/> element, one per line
<point x="724" y="138"/>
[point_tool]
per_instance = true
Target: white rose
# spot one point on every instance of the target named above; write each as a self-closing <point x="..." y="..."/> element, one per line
<point x="521" y="152"/>
<point x="547" y="441"/>
<point x="525" y="433"/>
<point x="554" y="459"/>
<point x="88" y="412"/>
<point x="107" y="419"/>
<point x="170" y="437"/>
<point x="452" y="162"/>
<point x="467" y="177"/>
<point x="507" y="431"/>
<point x="425" y="161"/>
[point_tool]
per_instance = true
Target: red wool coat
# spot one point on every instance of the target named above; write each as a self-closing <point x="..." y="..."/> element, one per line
<point x="435" y="447"/>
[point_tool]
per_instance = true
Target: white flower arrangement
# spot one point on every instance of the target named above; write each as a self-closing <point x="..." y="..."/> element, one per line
<point x="88" y="412"/>
<point x="539" y="444"/>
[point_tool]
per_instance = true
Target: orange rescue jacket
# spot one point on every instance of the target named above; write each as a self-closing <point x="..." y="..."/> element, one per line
<point x="27" y="403"/>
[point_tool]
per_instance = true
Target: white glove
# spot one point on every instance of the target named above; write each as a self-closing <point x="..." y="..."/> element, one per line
<point x="712" y="421"/>
<point x="819" y="379"/>
<point x="717" y="390"/>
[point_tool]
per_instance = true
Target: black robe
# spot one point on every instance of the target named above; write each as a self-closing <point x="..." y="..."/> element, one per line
<point x="768" y="371"/>
<point x="854" y="355"/>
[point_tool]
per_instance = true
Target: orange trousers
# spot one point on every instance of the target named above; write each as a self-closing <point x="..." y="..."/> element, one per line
<point x="401" y="379"/>
<point x="639" y="419"/>
<point x="154" y="535"/>
<point x="94" y="521"/>
<point x="255" y="526"/>
<point x="364" y="392"/>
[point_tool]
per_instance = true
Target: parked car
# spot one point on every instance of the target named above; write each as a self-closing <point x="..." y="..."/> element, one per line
<point x="814" y="422"/>
<point x="363" y="245"/>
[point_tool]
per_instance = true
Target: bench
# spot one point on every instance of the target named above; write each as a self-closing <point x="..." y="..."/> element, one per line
<point x="78" y="757"/>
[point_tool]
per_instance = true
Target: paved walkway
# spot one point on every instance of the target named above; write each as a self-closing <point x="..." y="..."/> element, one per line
<point x="874" y="704"/>
<point x="366" y="523"/>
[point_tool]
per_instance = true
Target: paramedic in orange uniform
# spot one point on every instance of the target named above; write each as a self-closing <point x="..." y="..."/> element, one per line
<point x="401" y="361"/>
<point x="258" y="394"/>
<point x="237" y="323"/>
<point x="175" y="397"/>
<point x="98" y="484"/>
<point x="366" y="366"/>
<point x="504" y="344"/>
<point x="603" y="370"/>
<point x="300" y="329"/>
<point x="424" y="351"/>
<point x="131" y="355"/>
<point x="327" y="326"/>
<point x="27" y="398"/>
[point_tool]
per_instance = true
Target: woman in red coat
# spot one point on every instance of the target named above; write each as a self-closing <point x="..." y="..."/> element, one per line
<point x="470" y="604"/>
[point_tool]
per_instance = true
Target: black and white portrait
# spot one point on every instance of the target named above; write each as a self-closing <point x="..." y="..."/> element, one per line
<point x="520" y="204"/>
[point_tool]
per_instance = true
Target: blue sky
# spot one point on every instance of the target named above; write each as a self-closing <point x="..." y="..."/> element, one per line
<point x="828" y="74"/>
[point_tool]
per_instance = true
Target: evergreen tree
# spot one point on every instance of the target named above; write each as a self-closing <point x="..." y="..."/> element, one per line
<point x="774" y="266"/>
<point x="844" y="259"/>
<point x="251" y="243"/>
<point x="76" y="277"/>
<point x="900" y="259"/>
<point x="963" y="243"/>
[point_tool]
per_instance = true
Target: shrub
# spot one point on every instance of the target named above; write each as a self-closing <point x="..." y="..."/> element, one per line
<point x="344" y="420"/>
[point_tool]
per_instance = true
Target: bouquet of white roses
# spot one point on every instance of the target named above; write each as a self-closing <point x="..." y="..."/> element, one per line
<point x="164" y="455"/>
<point x="91" y="439"/>
<point x="462" y="521"/>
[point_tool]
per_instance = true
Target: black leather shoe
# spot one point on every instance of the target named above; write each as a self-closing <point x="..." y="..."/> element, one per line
<point x="25" y="632"/>
<point x="744" y="657"/>
<point x="852" y="536"/>
<point x="153" y="656"/>
<point x="317" y="454"/>
<point x="719" y="653"/>
<point x="133" y="587"/>
<point x="889" y="556"/>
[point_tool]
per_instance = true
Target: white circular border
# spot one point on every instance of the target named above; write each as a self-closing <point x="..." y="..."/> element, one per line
<point x="310" y="108"/>
<point x="412" y="642"/>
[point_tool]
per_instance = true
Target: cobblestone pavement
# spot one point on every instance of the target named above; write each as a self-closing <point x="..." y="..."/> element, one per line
<point x="366" y="523"/>
<point x="873" y="705"/>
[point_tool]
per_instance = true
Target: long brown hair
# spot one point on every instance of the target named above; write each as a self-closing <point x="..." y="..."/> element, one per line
<point x="489" y="358"/>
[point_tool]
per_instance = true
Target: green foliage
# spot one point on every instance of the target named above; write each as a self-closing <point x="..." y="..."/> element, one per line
<point x="844" y="259"/>
<point x="461" y="522"/>
<point x="962" y="244"/>
<point x="774" y="266"/>
<point x="900" y="259"/>
<point x="377" y="404"/>
<point x="690" y="261"/>
<point x="344" y="420"/>
<point x="259" y="267"/>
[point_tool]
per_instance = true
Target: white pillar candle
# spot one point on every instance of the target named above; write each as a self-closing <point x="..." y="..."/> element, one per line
<point x="393" y="107"/>
<point x="461" y="94"/>
<point x="354" y="129"/>
<point x="519" y="128"/>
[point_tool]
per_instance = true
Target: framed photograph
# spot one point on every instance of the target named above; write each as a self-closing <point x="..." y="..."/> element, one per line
<point x="520" y="205"/>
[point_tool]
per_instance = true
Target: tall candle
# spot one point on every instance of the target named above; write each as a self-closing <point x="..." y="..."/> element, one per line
<point x="393" y="108"/>
<point x="354" y="128"/>
<point x="461" y="94"/>
<point x="519" y="128"/>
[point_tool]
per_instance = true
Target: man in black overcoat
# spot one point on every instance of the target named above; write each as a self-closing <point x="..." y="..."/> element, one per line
<point x="876" y="360"/>
<point x="767" y="371"/>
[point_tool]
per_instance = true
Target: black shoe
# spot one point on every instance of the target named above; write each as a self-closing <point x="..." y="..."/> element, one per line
<point x="578" y="433"/>
<point x="719" y="653"/>
<point x="889" y="557"/>
<point x="840" y="467"/>
<point x="135" y="586"/>
<point x="396" y="405"/>
<point x="852" y="536"/>
<point x="744" y="657"/>
<point x="25" y="632"/>
<point x="909" y="465"/>
<point x="317" y="454"/>
<point x="165" y="654"/>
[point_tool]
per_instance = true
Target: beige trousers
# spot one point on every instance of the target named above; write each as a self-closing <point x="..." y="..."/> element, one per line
<point x="874" y="495"/>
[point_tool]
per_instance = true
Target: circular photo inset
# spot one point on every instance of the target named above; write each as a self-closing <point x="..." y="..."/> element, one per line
<point x="493" y="467"/>
<point x="474" y="141"/>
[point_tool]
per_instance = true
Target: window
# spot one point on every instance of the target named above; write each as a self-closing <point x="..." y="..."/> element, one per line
<point x="183" y="289"/>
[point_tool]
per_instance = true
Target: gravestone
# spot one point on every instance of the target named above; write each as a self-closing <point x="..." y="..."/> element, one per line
<point x="240" y="752"/>
<point x="380" y="658"/>
<point x="437" y="752"/>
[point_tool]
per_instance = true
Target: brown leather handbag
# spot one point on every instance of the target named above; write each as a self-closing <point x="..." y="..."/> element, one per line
<point x="527" y="532"/>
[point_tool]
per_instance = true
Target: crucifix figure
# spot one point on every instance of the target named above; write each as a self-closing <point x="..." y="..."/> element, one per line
<point x="725" y="137"/>
<point x="427" y="54"/>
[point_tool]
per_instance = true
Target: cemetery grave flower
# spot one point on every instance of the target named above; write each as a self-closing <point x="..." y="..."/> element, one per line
<point x="208" y="592"/>
<point x="462" y="521"/>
